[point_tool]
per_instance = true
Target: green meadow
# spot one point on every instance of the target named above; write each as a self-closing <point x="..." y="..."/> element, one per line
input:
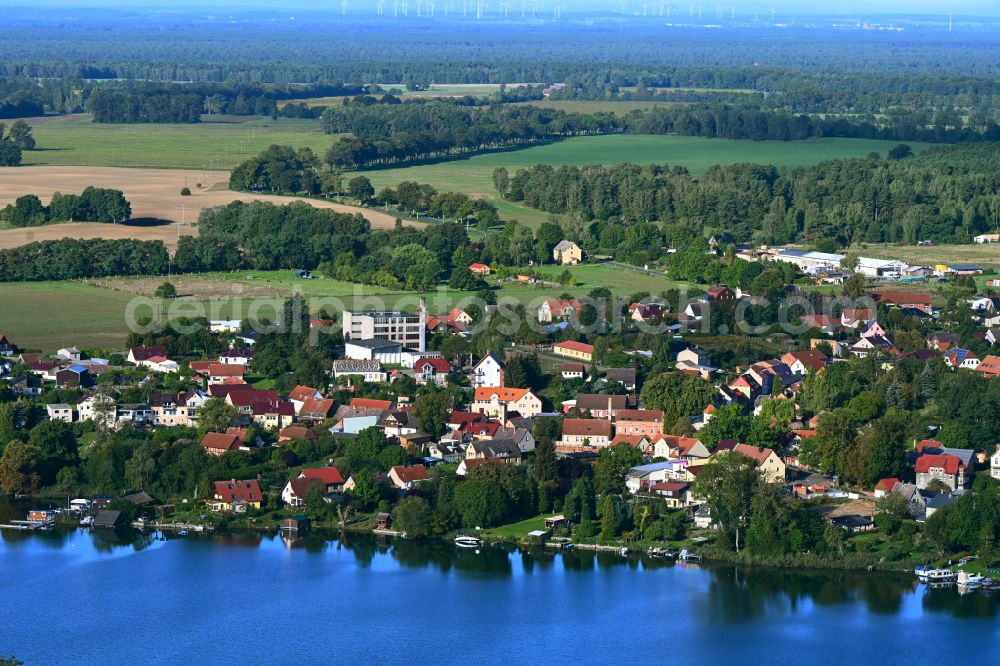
<point x="50" y="315"/>
<point x="78" y="141"/>
<point x="474" y="174"/>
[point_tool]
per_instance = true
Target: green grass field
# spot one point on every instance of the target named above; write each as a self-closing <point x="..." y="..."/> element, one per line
<point x="518" y="530"/>
<point x="474" y="174"/>
<point x="50" y="315"/>
<point x="76" y="140"/>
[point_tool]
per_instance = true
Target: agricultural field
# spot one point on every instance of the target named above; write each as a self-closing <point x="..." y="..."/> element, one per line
<point x="986" y="255"/>
<point x="77" y="140"/>
<point x="474" y="174"/>
<point x="159" y="212"/>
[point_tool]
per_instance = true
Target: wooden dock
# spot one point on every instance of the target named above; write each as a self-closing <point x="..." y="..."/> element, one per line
<point x="27" y="525"/>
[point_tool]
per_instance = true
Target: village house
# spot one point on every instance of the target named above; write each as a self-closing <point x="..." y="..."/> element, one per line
<point x="218" y="443"/>
<point x="497" y="401"/>
<point x="169" y="409"/>
<point x="406" y="477"/>
<point x="623" y="376"/>
<point x="854" y="317"/>
<point x="905" y="300"/>
<point x="644" y="312"/>
<point x="676" y="494"/>
<point x="769" y="464"/>
<point x="300" y="394"/>
<point x="639" y="422"/>
<point x="558" y="309"/>
<point x="573" y="349"/>
<point x="583" y="433"/>
<point x="294" y="433"/>
<point x="674" y="447"/>
<point x="885" y="486"/>
<point x="567" y="252"/>
<point x="522" y="437"/>
<point x="986" y="238"/>
<point x="572" y="370"/>
<point x="989" y="366"/>
<point x="481" y="270"/>
<point x="600" y="405"/>
<point x="961" y="359"/>
<point x="432" y="370"/>
<point x="642" y="477"/>
<point x="236" y="496"/>
<point x="315" y="409"/>
<point x="237" y="356"/>
<point x="488" y="372"/>
<point x="502" y="450"/>
<point x="804" y="362"/>
<point x="6" y="347"/>
<point x="59" y="412"/>
<point x="220" y="373"/>
<point x="995" y="464"/>
<point x="719" y="294"/>
<point x="295" y="490"/>
<point x="941" y="467"/>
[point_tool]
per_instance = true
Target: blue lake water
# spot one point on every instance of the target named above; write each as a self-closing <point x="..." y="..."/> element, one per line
<point x="77" y="597"/>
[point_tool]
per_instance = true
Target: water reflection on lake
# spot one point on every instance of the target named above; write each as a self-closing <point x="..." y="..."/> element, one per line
<point x="268" y="598"/>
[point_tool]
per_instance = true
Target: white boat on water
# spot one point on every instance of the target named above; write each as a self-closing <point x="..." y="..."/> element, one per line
<point x="941" y="576"/>
<point x="970" y="581"/>
<point x="465" y="541"/>
<point x="87" y="521"/>
<point x="922" y="572"/>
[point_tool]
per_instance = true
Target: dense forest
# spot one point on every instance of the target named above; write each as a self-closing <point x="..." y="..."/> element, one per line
<point x="945" y="194"/>
<point x="71" y="258"/>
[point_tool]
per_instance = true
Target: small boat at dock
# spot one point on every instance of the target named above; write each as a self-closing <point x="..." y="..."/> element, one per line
<point x="465" y="541"/>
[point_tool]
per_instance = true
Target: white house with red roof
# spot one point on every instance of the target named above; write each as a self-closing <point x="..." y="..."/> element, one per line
<point x="432" y="370"/>
<point x="945" y="468"/>
<point x="406" y="477"/>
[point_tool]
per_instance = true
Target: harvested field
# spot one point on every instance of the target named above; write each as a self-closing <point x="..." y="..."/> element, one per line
<point x="158" y="209"/>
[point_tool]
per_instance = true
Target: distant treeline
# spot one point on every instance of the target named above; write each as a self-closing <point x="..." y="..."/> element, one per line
<point x="94" y="204"/>
<point x="72" y="258"/>
<point x="389" y="133"/>
<point x="945" y="194"/>
<point x="385" y="134"/>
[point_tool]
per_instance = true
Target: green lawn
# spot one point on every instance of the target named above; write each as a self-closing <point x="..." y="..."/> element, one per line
<point x="76" y="140"/>
<point x="518" y="530"/>
<point x="474" y="174"/>
<point x="50" y="315"/>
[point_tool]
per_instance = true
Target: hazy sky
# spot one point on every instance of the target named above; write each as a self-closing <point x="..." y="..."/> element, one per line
<point x="981" y="7"/>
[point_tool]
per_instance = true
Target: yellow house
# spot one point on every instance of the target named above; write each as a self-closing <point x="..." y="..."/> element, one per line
<point x="567" y="252"/>
<point x="769" y="463"/>
<point x="577" y="350"/>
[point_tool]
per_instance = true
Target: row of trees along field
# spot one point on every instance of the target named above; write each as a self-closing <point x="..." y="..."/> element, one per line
<point x="386" y="134"/>
<point x="72" y="258"/>
<point x="945" y="194"/>
<point x="94" y="204"/>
